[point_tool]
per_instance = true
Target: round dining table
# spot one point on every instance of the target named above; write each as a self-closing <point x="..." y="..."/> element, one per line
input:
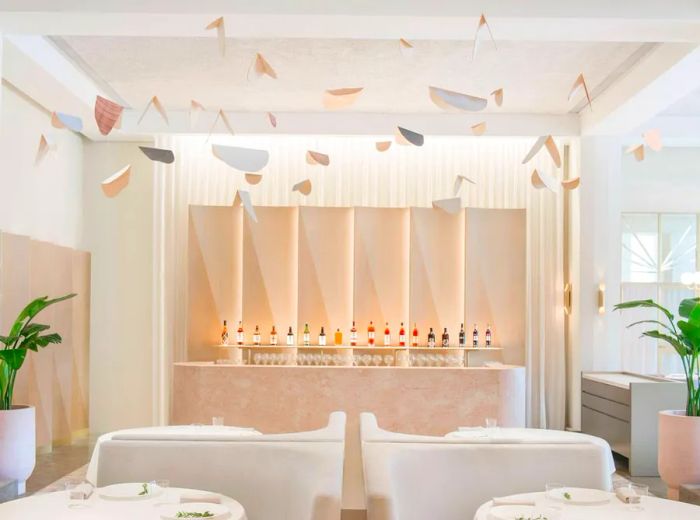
<point x="650" y="508"/>
<point x="59" y="506"/>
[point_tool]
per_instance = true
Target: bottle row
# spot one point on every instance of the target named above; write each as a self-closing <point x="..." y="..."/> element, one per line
<point x="371" y="339"/>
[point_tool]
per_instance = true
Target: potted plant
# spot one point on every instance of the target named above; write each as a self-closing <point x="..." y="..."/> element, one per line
<point x="17" y="426"/>
<point x="679" y="430"/>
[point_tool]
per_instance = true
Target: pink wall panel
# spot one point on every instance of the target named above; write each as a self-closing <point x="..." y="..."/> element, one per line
<point x="81" y="341"/>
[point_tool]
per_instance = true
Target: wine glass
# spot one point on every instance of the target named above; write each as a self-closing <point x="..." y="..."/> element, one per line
<point x="376" y="360"/>
<point x="388" y="360"/>
<point x="366" y="359"/>
<point x="256" y="358"/>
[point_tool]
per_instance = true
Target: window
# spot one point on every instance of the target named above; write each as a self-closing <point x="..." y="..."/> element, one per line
<point x="656" y="250"/>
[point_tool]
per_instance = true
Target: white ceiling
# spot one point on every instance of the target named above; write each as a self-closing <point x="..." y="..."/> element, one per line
<point x="536" y="76"/>
<point x="689" y="106"/>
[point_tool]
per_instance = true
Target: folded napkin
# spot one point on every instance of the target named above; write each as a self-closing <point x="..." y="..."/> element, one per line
<point x="627" y="495"/>
<point x="512" y="501"/>
<point x="81" y="492"/>
<point x="210" y="498"/>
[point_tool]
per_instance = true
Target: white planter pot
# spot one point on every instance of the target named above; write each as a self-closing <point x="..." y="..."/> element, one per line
<point x="17" y="444"/>
<point x="679" y="450"/>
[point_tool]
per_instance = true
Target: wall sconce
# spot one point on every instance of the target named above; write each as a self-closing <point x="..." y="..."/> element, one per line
<point x="601" y="298"/>
<point x="567" y="299"/>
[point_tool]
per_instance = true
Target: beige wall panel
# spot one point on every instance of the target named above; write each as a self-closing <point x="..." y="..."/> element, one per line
<point x="381" y="284"/>
<point x="270" y="270"/>
<point x="325" y="270"/>
<point x="215" y="269"/>
<point x="437" y="273"/>
<point x="495" y="278"/>
<point x="81" y="341"/>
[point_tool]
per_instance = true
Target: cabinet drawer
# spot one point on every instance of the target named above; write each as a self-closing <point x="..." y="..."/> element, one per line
<point x="610" y="392"/>
<point x="612" y="408"/>
<point x="615" y="431"/>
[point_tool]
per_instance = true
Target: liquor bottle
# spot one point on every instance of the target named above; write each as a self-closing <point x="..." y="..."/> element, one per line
<point x="414" y="339"/>
<point x="402" y="336"/>
<point x="462" y="336"/>
<point x="475" y="337"/>
<point x="273" y="336"/>
<point x="370" y="334"/>
<point x="338" y="337"/>
<point x="322" y="338"/>
<point x="256" y="336"/>
<point x="224" y="334"/>
<point x="445" y="338"/>
<point x="488" y="335"/>
<point x="307" y="335"/>
<point x="290" y="337"/>
<point x="240" y="339"/>
<point x="387" y="335"/>
<point x="431" y="338"/>
<point x="353" y="335"/>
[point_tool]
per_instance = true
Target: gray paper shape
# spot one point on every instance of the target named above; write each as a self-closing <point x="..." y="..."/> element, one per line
<point x="158" y="154"/>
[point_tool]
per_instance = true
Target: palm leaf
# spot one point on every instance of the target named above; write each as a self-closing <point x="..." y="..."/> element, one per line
<point x="634" y="304"/>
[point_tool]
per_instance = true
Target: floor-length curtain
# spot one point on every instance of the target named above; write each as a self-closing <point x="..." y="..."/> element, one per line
<point x="359" y="175"/>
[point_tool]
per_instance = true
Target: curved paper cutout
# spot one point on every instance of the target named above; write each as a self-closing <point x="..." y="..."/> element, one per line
<point x="448" y="99"/>
<point x="580" y="84"/>
<point x="571" y="184"/>
<point x="243" y="159"/>
<point x="218" y="24"/>
<point x="498" y="96"/>
<point x="479" y="34"/>
<point x="44" y="146"/>
<point x="155" y="102"/>
<point x="407" y="137"/>
<point x="459" y="180"/>
<point x="382" y="146"/>
<point x="406" y="48"/>
<point x="272" y="119"/>
<point x="196" y="108"/>
<point x="303" y="187"/>
<point x="637" y="150"/>
<point x="261" y="67"/>
<point x="548" y="142"/>
<point x="61" y="120"/>
<point x="224" y="118"/>
<point x="107" y="113"/>
<point x="543" y="180"/>
<point x="479" y="128"/>
<point x="451" y="206"/>
<point x="114" y="184"/>
<point x="652" y="138"/>
<point x="253" y="178"/>
<point x="243" y="197"/>
<point x="158" y="154"/>
<point x="341" y="97"/>
<point x="315" y="158"/>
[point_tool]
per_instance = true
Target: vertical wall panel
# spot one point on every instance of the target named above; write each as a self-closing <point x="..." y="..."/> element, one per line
<point x="81" y="341"/>
<point x="270" y="260"/>
<point x="325" y="269"/>
<point x="381" y="268"/>
<point x="437" y="272"/>
<point x="495" y="277"/>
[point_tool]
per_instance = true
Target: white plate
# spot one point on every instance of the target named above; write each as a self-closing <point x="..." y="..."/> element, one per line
<point x="170" y="511"/>
<point x="514" y="512"/>
<point x="129" y="491"/>
<point x="580" y="496"/>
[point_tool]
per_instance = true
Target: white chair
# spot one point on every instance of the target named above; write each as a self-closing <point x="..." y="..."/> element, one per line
<point x="416" y="477"/>
<point x="291" y="476"/>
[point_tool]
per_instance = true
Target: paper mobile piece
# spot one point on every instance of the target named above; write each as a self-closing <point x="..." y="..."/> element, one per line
<point x="479" y="128"/>
<point x="580" y="84"/>
<point x="459" y="180"/>
<point x="571" y="184"/>
<point x="155" y="102"/>
<point x="61" y="120"/>
<point x="406" y="48"/>
<point x="382" y="146"/>
<point x="315" y="158"/>
<point x="303" y="187"/>
<point x="218" y="24"/>
<point x="196" y="108"/>
<point x="221" y="115"/>
<point x="340" y="97"/>
<point x="118" y="124"/>
<point x="243" y="197"/>
<point x="107" y="113"/>
<point x="406" y="137"/>
<point x="498" y="96"/>
<point x="480" y="33"/>
<point x="158" y="154"/>
<point x="652" y="138"/>
<point x="42" y="149"/>
<point x="273" y="120"/>
<point x="451" y="206"/>
<point x="543" y="180"/>
<point x="447" y="99"/>
<point x="253" y="178"/>
<point x="261" y="67"/>
<point x="548" y="142"/>
<point x="112" y="185"/>
<point x="637" y="150"/>
<point x="243" y="159"/>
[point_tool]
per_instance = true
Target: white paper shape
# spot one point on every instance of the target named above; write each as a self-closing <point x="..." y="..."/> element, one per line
<point x="652" y="138"/>
<point x="407" y="137"/>
<point x="243" y="159"/>
<point x="316" y="158"/>
<point x="406" y="48"/>
<point x="243" y="197"/>
<point x="303" y="187"/>
<point x="220" y="27"/>
<point x="196" y="108"/>
<point x="481" y="27"/>
<point x="61" y="120"/>
<point x="334" y="99"/>
<point x="155" y="103"/>
<point x="382" y="146"/>
<point x="451" y="206"/>
<point x="580" y="84"/>
<point x="571" y="184"/>
<point x="115" y="183"/>
<point x="449" y="100"/>
<point x="548" y="142"/>
<point x="158" y="154"/>
<point x="459" y="180"/>
<point x="221" y="115"/>
<point x="543" y="180"/>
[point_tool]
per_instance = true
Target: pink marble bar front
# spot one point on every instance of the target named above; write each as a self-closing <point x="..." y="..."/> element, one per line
<point x="420" y="400"/>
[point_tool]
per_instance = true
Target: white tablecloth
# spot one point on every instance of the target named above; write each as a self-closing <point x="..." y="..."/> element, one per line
<point x="652" y="509"/>
<point x="530" y="436"/>
<point x="168" y="433"/>
<point x="55" y="506"/>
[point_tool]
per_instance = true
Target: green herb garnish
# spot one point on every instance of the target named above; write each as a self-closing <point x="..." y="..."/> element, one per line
<point x="538" y="517"/>
<point x="183" y="514"/>
<point x="144" y="491"/>
<point x="567" y="495"/>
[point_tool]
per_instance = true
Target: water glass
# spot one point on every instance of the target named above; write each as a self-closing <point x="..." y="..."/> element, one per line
<point x="217" y="420"/>
<point x="77" y="491"/>
<point x="491" y="423"/>
<point x="162" y="485"/>
<point x="388" y="360"/>
<point x="640" y="490"/>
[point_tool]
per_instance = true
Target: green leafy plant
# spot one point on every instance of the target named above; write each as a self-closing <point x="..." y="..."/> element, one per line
<point x="683" y="335"/>
<point x="144" y="491"/>
<point x="185" y="514"/>
<point x="24" y="335"/>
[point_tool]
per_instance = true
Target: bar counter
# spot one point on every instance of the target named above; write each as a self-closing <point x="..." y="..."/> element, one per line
<point x="420" y="400"/>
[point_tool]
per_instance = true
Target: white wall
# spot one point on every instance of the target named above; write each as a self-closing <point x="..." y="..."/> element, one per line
<point x="43" y="201"/>
<point x="118" y="232"/>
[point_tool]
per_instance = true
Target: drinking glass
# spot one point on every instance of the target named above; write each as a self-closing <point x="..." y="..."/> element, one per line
<point x="366" y="359"/>
<point x="162" y="484"/>
<point x="491" y="424"/>
<point x="327" y="359"/>
<point x="388" y="360"/>
<point x="376" y="360"/>
<point x="641" y="490"/>
<point x="76" y="491"/>
<point x="256" y="358"/>
<point x="356" y="359"/>
<point x="217" y="420"/>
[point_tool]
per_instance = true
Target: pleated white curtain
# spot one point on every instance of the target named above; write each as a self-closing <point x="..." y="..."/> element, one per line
<point x="359" y="175"/>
